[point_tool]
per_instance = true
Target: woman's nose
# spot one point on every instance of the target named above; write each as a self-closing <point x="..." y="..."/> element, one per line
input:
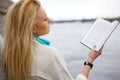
<point x="49" y="20"/>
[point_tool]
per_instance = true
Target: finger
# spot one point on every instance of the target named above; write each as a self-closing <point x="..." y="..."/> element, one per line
<point x="100" y="52"/>
<point x="93" y="48"/>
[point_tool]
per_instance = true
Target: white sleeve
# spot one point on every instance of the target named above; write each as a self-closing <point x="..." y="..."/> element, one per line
<point x="60" y="68"/>
<point x="81" y="77"/>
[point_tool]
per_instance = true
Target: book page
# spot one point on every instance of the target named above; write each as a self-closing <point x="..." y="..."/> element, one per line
<point x="107" y="34"/>
<point x="96" y="32"/>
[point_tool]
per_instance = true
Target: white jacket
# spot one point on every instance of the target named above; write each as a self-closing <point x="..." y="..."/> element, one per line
<point x="49" y="65"/>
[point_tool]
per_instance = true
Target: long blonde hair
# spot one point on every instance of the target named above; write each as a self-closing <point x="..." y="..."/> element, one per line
<point x="17" y="52"/>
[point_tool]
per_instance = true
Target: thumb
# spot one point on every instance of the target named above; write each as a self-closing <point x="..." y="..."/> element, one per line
<point x="94" y="47"/>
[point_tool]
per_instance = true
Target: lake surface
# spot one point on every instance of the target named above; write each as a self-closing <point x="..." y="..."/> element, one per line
<point x="66" y="37"/>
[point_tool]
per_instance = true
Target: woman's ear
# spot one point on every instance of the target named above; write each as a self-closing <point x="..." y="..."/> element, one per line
<point x="34" y="29"/>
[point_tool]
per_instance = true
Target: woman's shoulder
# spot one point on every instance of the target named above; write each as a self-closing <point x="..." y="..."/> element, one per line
<point x="45" y="51"/>
<point x="38" y="47"/>
<point x="43" y="56"/>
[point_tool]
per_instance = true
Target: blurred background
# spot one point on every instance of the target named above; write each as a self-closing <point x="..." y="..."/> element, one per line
<point x="71" y="19"/>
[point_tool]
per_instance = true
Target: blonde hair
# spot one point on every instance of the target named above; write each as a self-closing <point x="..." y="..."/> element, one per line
<point x="17" y="52"/>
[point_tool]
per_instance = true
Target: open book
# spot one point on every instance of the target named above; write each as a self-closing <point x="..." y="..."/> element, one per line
<point x="99" y="33"/>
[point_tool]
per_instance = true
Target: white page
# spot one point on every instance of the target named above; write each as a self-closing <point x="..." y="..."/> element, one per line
<point x="107" y="34"/>
<point x="98" y="33"/>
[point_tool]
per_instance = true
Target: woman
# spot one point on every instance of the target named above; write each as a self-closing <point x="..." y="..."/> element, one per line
<point x="26" y="58"/>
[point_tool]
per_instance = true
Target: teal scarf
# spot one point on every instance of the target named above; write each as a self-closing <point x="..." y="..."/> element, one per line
<point x="43" y="41"/>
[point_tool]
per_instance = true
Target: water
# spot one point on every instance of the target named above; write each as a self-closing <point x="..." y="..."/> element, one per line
<point x="66" y="37"/>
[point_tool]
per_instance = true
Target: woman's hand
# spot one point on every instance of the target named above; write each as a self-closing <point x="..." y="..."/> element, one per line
<point x="94" y="54"/>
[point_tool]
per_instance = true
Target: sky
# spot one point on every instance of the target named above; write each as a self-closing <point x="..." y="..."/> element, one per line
<point x="80" y="9"/>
